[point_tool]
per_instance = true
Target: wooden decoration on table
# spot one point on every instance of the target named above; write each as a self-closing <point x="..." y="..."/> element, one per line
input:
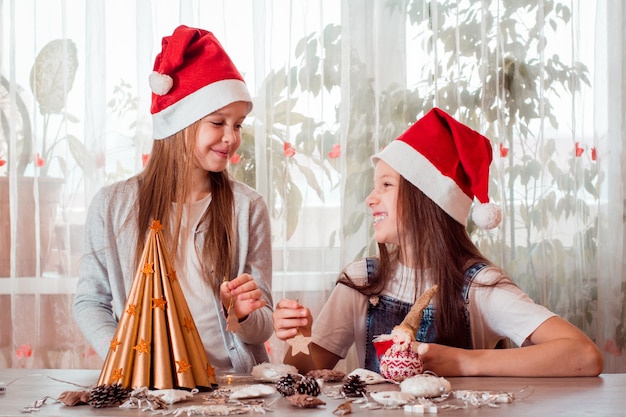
<point x="156" y="343"/>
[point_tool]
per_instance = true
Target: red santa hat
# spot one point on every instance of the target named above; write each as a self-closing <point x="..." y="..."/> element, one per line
<point x="449" y="162"/>
<point x="193" y="77"/>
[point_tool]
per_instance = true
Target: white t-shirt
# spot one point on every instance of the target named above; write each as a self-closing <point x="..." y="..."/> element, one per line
<point x="199" y="295"/>
<point x="496" y="311"/>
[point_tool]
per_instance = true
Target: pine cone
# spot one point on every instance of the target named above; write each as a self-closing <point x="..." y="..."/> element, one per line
<point x="354" y="386"/>
<point x="286" y="385"/>
<point x="308" y="386"/>
<point x="108" y="395"/>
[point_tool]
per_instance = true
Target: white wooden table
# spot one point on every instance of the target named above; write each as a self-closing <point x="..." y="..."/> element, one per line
<point x="601" y="396"/>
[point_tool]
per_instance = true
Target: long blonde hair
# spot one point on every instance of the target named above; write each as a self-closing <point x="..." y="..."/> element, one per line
<point x="166" y="179"/>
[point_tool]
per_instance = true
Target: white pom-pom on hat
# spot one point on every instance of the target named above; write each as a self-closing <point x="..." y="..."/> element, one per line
<point x="487" y="215"/>
<point x="160" y="84"/>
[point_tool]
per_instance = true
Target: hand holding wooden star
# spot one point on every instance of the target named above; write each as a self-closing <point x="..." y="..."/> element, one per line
<point x="240" y="297"/>
<point x="299" y="343"/>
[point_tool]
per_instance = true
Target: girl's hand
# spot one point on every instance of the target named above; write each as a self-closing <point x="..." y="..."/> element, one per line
<point x="244" y="295"/>
<point x="291" y="318"/>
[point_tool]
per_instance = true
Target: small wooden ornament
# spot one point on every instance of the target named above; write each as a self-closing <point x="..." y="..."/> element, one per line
<point x="343" y="408"/>
<point x="305" y="401"/>
<point x="327" y="375"/>
<point x="232" y="322"/>
<point x="299" y="343"/>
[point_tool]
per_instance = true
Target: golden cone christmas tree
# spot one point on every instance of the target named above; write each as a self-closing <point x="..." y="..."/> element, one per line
<point x="156" y="343"/>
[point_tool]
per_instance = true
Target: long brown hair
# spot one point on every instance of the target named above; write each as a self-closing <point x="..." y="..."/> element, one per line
<point x="165" y="179"/>
<point x="429" y="239"/>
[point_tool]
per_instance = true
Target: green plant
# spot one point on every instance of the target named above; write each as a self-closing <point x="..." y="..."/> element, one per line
<point x="14" y="115"/>
<point x="300" y="156"/>
<point x="315" y="139"/>
<point x="123" y="107"/>
<point x="51" y="79"/>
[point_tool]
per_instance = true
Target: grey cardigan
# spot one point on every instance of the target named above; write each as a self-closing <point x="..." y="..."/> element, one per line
<point x="108" y="267"/>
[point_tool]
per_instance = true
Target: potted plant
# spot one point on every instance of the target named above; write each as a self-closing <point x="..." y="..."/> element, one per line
<point x="37" y="164"/>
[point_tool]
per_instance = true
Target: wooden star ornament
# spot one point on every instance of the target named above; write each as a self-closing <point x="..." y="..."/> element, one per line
<point x="299" y="343"/>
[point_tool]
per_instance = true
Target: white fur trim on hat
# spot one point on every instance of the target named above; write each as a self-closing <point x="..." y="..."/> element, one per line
<point x="197" y="105"/>
<point x="420" y="172"/>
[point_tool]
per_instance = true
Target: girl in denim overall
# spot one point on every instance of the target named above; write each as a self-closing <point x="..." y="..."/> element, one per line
<point x="425" y="182"/>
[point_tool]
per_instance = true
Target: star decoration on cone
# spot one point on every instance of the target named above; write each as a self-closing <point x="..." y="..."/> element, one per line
<point x="159" y="303"/>
<point x="114" y="344"/>
<point x="131" y="309"/>
<point x="188" y="324"/>
<point x="183" y="365"/>
<point x="172" y="275"/>
<point x="117" y="375"/>
<point x="148" y="268"/>
<point x="299" y="343"/>
<point x="142" y="346"/>
<point x="210" y="371"/>
<point x="156" y="225"/>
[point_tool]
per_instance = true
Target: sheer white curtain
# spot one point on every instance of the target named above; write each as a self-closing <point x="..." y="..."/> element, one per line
<point x="333" y="82"/>
<point x="610" y="134"/>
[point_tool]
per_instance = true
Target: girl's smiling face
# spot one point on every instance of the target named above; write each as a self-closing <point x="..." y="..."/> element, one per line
<point x="383" y="202"/>
<point x="219" y="137"/>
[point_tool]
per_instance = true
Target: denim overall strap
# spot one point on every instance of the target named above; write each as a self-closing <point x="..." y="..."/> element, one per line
<point x="470" y="274"/>
<point x="384" y="313"/>
<point x="427" y="333"/>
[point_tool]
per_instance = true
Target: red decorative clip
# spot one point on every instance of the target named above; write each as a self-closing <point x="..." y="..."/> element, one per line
<point x="504" y="152"/>
<point x="579" y="150"/>
<point x="288" y="150"/>
<point x="39" y="161"/>
<point x="24" y="351"/>
<point x="335" y="152"/>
